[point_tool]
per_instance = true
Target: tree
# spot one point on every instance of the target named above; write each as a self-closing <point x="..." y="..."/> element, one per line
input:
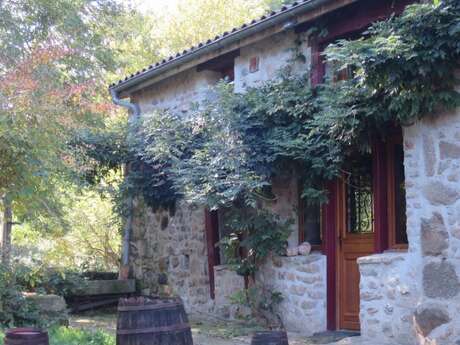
<point x="92" y="240"/>
<point x="193" y="21"/>
<point x="56" y="58"/>
<point x="52" y="62"/>
<point x="144" y="38"/>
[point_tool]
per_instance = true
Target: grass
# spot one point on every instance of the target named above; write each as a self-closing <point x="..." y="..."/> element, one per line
<point x="74" y="336"/>
<point x="225" y="329"/>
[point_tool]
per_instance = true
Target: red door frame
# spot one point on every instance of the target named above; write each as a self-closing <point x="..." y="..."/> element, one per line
<point x="212" y="237"/>
<point x="330" y="248"/>
<point x="360" y="16"/>
<point x="330" y="221"/>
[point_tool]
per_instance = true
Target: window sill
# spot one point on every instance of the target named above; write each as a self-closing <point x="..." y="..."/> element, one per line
<point x="397" y="250"/>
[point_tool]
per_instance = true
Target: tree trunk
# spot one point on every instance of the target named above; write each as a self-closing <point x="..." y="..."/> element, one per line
<point x="7" y="224"/>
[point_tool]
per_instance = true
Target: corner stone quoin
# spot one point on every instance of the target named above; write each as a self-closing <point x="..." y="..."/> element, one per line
<point x="435" y="238"/>
<point x="440" y="280"/>
<point x="438" y="193"/>
<point x="427" y="318"/>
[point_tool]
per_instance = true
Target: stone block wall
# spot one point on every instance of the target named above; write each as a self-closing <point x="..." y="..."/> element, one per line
<point x="171" y="246"/>
<point x="227" y="283"/>
<point x="389" y="291"/>
<point x="415" y="296"/>
<point x="177" y="93"/>
<point x="285" y="204"/>
<point x="302" y="282"/>
<point x="433" y="199"/>
<point x="272" y="55"/>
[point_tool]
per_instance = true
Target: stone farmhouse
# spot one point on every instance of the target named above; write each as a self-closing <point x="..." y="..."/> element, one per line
<point x="395" y="278"/>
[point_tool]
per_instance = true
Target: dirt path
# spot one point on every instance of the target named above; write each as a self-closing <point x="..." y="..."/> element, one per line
<point x="206" y="331"/>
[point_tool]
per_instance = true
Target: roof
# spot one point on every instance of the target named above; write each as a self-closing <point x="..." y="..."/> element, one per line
<point x="247" y="29"/>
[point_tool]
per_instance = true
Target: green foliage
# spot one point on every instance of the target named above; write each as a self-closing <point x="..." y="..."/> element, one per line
<point x="53" y="60"/>
<point x="45" y="280"/>
<point x="15" y="310"/>
<point x="228" y="151"/>
<point x="73" y="336"/>
<point x="210" y="17"/>
<point x="263" y="302"/>
<point x="126" y="144"/>
<point x="403" y="69"/>
<point x="100" y="152"/>
<point x="89" y="239"/>
<point x="254" y="234"/>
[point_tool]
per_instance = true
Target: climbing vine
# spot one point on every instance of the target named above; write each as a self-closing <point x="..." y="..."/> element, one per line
<point x="231" y="146"/>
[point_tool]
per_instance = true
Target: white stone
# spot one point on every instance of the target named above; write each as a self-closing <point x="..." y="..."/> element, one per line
<point x="292" y="251"/>
<point x="304" y="249"/>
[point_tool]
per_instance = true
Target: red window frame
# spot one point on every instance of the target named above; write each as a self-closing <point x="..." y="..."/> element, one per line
<point x="301" y="217"/>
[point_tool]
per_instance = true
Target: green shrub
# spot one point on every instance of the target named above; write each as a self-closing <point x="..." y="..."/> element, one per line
<point x="46" y="280"/>
<point x="263" y="301"/>
<point x="72" y="336"/>
<point x="15" y="310"/>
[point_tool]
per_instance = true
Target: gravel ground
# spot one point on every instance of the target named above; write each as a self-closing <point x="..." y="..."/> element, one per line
<point x="208" y="331"/>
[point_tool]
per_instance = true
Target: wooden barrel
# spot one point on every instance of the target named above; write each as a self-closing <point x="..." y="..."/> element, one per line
<point x="270" y="338"/>
<point x="152" y="321"/>
<point x="26" y="336"/>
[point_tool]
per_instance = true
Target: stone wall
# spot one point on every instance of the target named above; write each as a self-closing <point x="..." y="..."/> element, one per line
<point x="406" y="298"/>
<point x="170" y="248"/>
<point x="177" y="93"/>
<point x="285" y="204"/>
<point x="272" y="55"/>
<point x="389" y="290"/>
<point x="302" y="282"/>
<point x="227" y="284"/>
<point x="420" y="289"/>
<point x="433" y="197"/>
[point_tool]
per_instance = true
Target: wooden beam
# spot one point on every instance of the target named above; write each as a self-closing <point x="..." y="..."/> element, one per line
<point x="220" y="62"/>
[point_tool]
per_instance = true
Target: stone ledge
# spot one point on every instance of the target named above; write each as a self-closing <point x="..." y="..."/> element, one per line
<point x="105" y="287"/>
<point x="385" y="258"/>
<point x="223" y="268"/>
<point x="47" y="303"/>
<point x="315" y="256"/>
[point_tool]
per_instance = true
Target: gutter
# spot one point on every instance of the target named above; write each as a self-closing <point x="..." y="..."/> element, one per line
<point x="222" y="42"/>
<point x="124" y="272"/>
<point x="133" y="108"/>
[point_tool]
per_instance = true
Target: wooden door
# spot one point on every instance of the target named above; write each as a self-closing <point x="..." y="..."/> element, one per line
<point x="355" y="236"/>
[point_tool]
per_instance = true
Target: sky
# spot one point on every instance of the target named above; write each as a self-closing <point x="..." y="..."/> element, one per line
<point x="148" y="5"/>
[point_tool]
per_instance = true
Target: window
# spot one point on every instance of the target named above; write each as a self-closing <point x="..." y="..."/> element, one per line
<point x="223" y="64"/>
<point x="310" y="224"/>
<point x="228" y="73"/>
<point x="396" y="194"/>
<point x="359" y="195"/>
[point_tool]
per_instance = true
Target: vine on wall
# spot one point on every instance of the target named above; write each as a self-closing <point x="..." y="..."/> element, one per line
<point x="228" y="151"/>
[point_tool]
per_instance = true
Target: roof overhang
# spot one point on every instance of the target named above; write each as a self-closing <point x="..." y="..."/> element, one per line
<point x="297" y="13"/>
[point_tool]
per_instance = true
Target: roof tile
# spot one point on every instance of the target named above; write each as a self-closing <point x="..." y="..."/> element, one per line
<point x="210" y="41"/>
